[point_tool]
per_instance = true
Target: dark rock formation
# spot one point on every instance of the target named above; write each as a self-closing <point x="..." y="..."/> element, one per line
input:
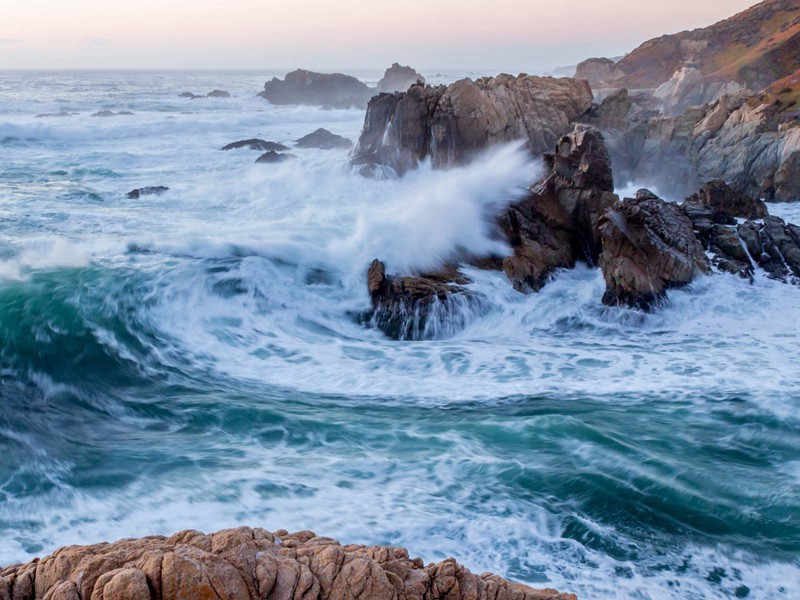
<point x="550" y="229"/>
<point x="109" y="113"/>
<point x="317" y="89"/>
<point x="218" y="94"/>
<point x="718" y="198"/>
<point x="256" y="144"/>
<point x="189" y="95"/>
<point x="58" y="114"/>
<point x="556" y="225"/>
<point x="420" y="306"/>
<point x="250" y="564"/>
<point x="272" y="157"/>
<point x="324" y="140"/>
<point x="398" y="79"/>
<point x="453" y="124"/>
<point x="147" y="191"/>
<point x="649" y="246"/>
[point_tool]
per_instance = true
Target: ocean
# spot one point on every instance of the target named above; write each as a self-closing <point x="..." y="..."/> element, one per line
<point x="199" y="359"/>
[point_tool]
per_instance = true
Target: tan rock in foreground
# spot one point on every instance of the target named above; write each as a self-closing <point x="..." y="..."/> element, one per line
<point x="244" y="564"/>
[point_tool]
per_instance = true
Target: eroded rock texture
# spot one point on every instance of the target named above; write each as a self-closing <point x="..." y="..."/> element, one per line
<point x="452" y="124"/>
<point x="649" y="247"/>
<point x="250" y="564"/>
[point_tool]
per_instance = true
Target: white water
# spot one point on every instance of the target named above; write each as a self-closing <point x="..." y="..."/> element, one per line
<point x="282" y="410"/>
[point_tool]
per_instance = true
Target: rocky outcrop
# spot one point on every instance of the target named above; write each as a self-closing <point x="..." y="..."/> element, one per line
<point x="761" y="242"/>
<point x="550" y="229"/>
<point x="147" y="191"/>
<point x="324" y="140"/>
<point x="398" y="78"/>
<point x="58" y="114"/>
<point x="649" y="247"/>
<point x="250" y="564"/>
<point x="332" y="90"/>
<point x="451" y="125"/>
<point x="218" y="94"/>
<point x="256" y="144"/>
<point x="419" y="306"/>
<point x="272" y="157"/>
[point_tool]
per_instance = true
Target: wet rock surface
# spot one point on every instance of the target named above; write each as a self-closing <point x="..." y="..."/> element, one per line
<point x="256" y="144"/>
<point x="218" y="94"/>
<point x="323" y="140"/>
<point x="453" y="124"/>
<point x="333" y="90"/>
<point x="147" y="191"/>
<point x="649" y="247"/>
<point x="250" y="564"/>
<point x="273" y="157"/>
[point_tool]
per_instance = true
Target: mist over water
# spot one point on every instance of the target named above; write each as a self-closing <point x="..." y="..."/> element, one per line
<point x="196" y="360"/>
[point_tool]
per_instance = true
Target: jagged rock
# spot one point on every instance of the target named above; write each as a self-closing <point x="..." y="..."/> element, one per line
<point x="324" y="140"/>
<point x="775" y="246"/>
<point x="272" y="157"/>
<point x="317" y="89"/>
<point x="398" y="78"/>
<point x="418" y="306"/>
<point x="718" y="198"/>
<point x="218" y="94"/>
<point x="452" y="124"/>
<point x="256" y="144"/>
<point x="147" y="191"/>
<point x="648" y="247"/>
<point x="248" y="564"/>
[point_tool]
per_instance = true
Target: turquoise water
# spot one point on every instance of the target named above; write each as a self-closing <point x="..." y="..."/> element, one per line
<point x="197" y="360"/>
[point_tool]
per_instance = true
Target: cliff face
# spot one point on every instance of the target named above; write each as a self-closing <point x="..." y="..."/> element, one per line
<point x="450" y="125"/>
<point x="753" y="48"/>
<point x="250" y="564"/>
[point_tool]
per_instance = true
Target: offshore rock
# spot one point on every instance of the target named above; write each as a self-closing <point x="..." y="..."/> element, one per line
<point x="324" y="140"/>
<point x="250" y="564"/>
<point x="398" y="78"/>
<point x="147" y="191"/>
<point x="272" y="157"/>
<point x="317" y="89"/>
<point x="218" y="94"/>
<point x="649" y="247"/>
<point x="420" y="306"/>
<point x="256" y="144"/>
<point x="451" y="125"/>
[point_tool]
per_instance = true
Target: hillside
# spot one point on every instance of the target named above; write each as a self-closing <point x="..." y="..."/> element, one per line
<point x="755" y="48"/>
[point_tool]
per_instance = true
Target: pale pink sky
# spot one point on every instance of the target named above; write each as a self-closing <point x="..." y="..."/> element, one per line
<point x="515" y="35"/>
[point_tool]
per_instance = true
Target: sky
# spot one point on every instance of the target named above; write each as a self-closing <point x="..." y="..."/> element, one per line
<point x="490" y="35"/>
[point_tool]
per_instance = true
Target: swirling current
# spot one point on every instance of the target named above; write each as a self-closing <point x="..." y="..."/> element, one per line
<point x="196" y="360"/>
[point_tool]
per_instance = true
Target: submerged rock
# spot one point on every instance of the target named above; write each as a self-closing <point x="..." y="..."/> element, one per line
<point x="245" y="564"/>
<point x="398" y="78"/>
<point x="324" y="140"/>
<point x="451" y="125"/>
<point x="272" y="157"/>
<point x="109" y="113"/>
<point x="317" y="89"/>
<point x="218" y="94"/>
<point x="256" y="144"/>
<point x="147" y="191"/>
<point x="189" y="95"/>
<point x="54" y="115"/>
<point x="649" y="247"/>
